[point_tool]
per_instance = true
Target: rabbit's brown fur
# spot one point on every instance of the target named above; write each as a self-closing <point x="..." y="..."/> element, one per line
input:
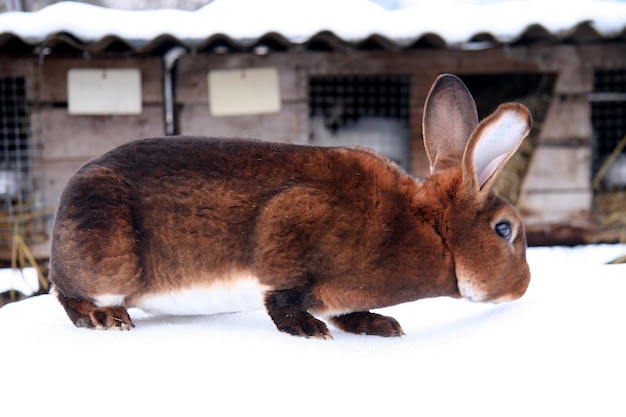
<point x="326" y="231"/>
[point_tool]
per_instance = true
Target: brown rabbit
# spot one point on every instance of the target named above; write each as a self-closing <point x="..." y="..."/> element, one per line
<point x="193" y="225"/>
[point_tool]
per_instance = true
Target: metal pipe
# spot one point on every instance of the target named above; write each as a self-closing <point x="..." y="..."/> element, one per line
<point x="169" y="96"/>
<point x="14" y="6"/>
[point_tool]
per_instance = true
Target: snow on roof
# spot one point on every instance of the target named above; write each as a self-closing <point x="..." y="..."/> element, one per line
<point x="244" y="22"/>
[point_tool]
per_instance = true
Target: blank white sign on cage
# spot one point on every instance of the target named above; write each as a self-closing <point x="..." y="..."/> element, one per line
<point x="244" y="91"/>
<point x="108" y="91"/>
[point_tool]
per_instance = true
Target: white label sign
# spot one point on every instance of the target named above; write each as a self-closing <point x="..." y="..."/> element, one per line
<point x="234" y="92"/>
<point x="113" y="91"/>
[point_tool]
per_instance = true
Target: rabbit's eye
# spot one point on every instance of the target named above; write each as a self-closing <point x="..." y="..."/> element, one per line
<point x="503" y="229"/>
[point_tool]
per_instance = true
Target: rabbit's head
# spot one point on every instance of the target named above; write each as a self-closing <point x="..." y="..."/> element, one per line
<point x="483" y="231"/>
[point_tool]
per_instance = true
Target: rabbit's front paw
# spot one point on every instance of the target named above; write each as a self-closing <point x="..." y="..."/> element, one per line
<point x="364" y="322"/>
<point x="301" y="323"/>
<point x="287" y="308"/>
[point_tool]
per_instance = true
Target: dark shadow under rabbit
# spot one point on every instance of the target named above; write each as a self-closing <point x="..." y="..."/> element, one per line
<point x="191" y="225"/>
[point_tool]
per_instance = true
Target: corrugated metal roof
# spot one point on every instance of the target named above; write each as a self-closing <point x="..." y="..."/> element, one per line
<point x="289" y="25"/>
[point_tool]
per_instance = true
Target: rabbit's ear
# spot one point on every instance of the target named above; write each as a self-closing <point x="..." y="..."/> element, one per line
<point x="450" y="117"/>
<point x="493" y="142"/>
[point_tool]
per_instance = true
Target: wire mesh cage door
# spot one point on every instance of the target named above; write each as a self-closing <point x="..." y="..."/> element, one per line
<point x="18" y="211"/>
<point x="608" y="114"/>
<point x="370" y="111"/>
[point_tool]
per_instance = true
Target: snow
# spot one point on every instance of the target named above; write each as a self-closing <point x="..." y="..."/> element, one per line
<point x="559" y="350"/>
<point x="25" y="281"/>
<point x="298" y="21"/>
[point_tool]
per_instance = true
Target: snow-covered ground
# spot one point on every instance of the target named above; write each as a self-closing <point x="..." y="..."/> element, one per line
<point x="560" y="350"/>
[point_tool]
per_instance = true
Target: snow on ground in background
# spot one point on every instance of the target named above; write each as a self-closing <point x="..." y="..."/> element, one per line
<point x="25" y="280"/>
<point x="559" y="350"/>
<point x="352" y="20"/>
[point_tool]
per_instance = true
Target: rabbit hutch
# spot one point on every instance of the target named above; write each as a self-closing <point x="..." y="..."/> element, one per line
<point x="67" y="96"/>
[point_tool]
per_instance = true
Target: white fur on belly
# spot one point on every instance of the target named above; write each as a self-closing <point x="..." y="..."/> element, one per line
<point x="243" y="294"/>
<point x="228" y="297"/>
<point x="109" y="300"/>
